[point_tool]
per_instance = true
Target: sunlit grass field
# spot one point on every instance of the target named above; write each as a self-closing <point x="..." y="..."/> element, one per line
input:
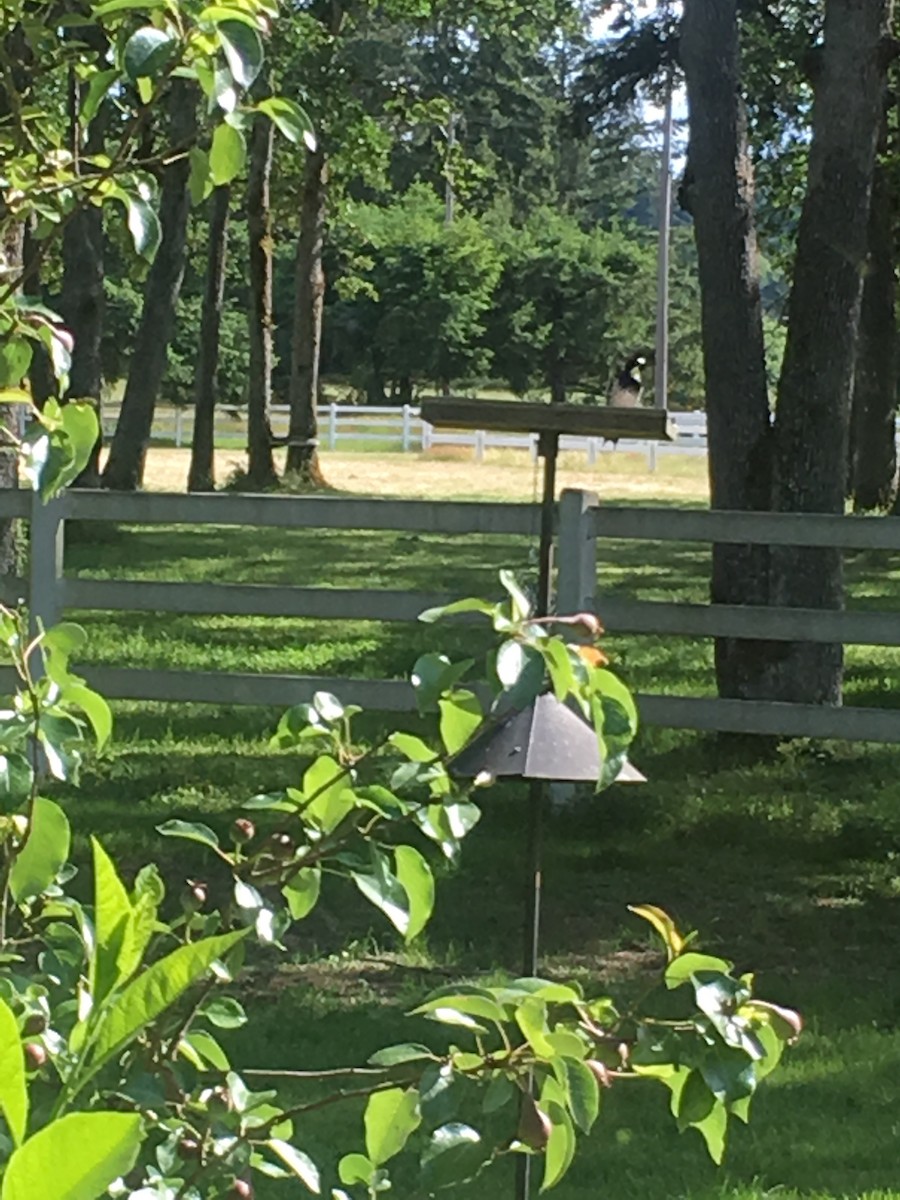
<point x="786" y="858"/>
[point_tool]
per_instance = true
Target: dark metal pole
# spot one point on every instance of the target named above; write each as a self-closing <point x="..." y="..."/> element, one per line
<point x="548" y="449"/>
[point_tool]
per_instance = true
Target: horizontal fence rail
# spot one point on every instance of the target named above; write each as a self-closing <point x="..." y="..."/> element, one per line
<point x="402" y="427"/>
<point x="583" y="528"/>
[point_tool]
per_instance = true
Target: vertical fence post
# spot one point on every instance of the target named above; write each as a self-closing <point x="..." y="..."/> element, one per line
<point x="592" y="451"/>
<point x="45" y="563"/>
<point x="332" y="426"/>
<point x="407" y="412"/>
<point x="576" y="580"/>
<point x="179" y="428"/>
<point x="479" y="445"/>
<point x="426" y="436"/>
<point x="651" y="457"/>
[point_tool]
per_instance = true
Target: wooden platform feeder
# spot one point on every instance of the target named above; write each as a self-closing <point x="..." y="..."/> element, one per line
<point x="561" y="746"/>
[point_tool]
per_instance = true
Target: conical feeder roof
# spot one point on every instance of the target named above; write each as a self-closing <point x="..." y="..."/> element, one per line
<point x="546" y="740"/>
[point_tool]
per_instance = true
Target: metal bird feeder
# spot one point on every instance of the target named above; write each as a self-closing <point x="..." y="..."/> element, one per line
<point x="546" y="741"/>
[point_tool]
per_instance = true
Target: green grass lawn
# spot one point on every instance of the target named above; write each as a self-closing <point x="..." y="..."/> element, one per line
<point x="786" y="859"/>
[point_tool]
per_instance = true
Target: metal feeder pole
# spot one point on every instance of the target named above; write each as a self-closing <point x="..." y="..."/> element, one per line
<point x="548" y="449"/>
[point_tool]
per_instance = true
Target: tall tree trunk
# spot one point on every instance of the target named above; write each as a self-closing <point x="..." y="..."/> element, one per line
<point x="81" y="306"/>
<point x="260" y="463"/>
<point x="201" y="476"/>
<point x="873" y="449"/>
<point x="125" y="466"/>
<point x="41" y="379"/>
<point x="11" y="249"/>
<point x="812" y="417"/>
<point x="718" y="192"/>
<point x="306" y="345"/>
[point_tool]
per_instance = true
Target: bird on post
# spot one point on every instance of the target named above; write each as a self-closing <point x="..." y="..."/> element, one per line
<point x="627" y="387"/>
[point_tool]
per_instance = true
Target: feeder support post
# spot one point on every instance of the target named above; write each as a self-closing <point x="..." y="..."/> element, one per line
<point x="576" y="580"/>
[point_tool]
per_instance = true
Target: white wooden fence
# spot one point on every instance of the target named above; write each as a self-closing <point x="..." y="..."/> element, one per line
<point x="581" y="525"/>
<point x="403" y="429"/>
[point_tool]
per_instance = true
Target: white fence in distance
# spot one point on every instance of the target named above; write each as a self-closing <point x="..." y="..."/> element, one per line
<point x="581" y="525"/>
<point x="402" y="428"/>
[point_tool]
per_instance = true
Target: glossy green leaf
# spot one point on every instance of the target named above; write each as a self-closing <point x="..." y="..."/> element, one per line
<point x="47" y="848"/>
<point x="191" y="831"/>
<point x="75" y="1157"/>
<point x="461" y="715"/>
<point x="560" y="1148"/>
<point x="13" y="1088"/>
<point x="16" y="775"/>
<point x="383" y="889"/>
<point x="454" y="1154"/>
<point x="227" y="155"/>
<point x="356" y="1168"/>
<point x="299" y="1163"/>
<point x="526" y="670"/>
<point x="329" y="783"/>
<point x="433" y="674"/>
<point x="200" y="179"/>
<point x="469" y="605"/>
<point x="681" y="969"/>
<point x="559" y="667"/>
<point x="144" y="226"/>
<point x="204" y="1044"/>
<point x="289" y="119"/>
<point x="612" y="688"/>
<point x="414" y="748"/>
<point x="392" y="1056"/>
<point x="110" y="7"/>
<point x="582" y="1091"/>
<point x="98" y="87"/>
<point x="302" y="892"/>
<point x="713" y="1128"/>
<point x="531" y="1017"/>
<point x="151" y="993"/>
<point x="243" y="51"/>
<point x="664" y="926"/>
<point x="472" y="1003"/>
<point x="417" y="881"/>
<point x="148" y="52"/>
<point x="729" y="1074"/>
<point x="224" y="1012"/>
<point x="521" y="605"/>
<point x="15" y="359"/>
<point x="390" y="1117"/>
<point x="94" y="707"/>
<point x="112" y="917"/>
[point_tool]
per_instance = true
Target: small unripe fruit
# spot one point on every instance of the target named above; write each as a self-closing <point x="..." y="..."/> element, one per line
<point x="535" y="1126"/>
<point x="242" y="831"/>
<point x="589" y="623"/>
<point x="35" y="1056"/>
<point x="242" y="1189"/>
<point x="600" y="1071"/>
<point x="193" y="896"/>
<point x="281" y="845"/>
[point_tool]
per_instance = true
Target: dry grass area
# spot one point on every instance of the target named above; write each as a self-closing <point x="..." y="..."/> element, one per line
<point x="447" y="472"/>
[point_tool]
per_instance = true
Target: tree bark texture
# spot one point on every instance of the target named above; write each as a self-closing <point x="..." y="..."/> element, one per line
<point x="306" y="344"/>
<point x="718" y="191"/>
<point x="260" y="462"/>
<point x="812" y="417"/>
<point x="11" y="260"/>
<point x="201" y="476"/>
<point x="81" y="307"/>
<point x="873" y="450"/>
<point x="41" y="378"/>
<point x="124" y="468"/>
